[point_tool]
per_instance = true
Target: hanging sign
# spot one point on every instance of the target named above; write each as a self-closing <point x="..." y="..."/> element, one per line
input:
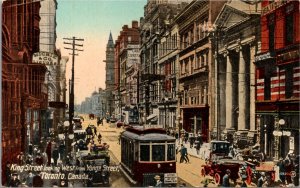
<point x="45" y="58"/>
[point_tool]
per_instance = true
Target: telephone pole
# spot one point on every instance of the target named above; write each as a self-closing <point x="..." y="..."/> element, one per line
<point x="71" y="98"/>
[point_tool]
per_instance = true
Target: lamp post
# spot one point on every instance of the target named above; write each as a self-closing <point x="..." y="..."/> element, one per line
<point x="265" y="130"/>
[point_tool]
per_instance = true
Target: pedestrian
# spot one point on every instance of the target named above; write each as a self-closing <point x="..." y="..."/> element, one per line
<point x="48" y="152"/>
<point x="186" y="137"/>
<point x="7" y="173"/>
<point x="14" y="182"/>
<point x="30" y="149"/>
<point x="29" y="179"/>
<point x="176" y="135"/>
<point x="21" y="158"/>
<point x="184" y="154"/>
<point x="288" y="166"/>
<point x="225" y="182"/>
<point x="99" y="138"/>
<point x="261" y="180"/>
<point x="158" y="182"/>
<point x="95" y="131"/>
<point x="39" y="158"/>
<point x="198" y="145"/>
<point x="119" y="139"/>
<point x="61" y="150"/>
<point x="55" y="155"/>
<point x="192" y="141"/>
<point x="98" y="121"/>
<point x="281" y="167"/>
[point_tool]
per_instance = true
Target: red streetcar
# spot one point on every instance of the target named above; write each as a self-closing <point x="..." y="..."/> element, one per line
<point x="147" y="153"/>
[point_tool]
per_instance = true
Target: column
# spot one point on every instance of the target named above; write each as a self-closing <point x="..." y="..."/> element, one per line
<point x="242" y="91"/>
<point x="229" y="92"/>
<point x="252" y="88"/>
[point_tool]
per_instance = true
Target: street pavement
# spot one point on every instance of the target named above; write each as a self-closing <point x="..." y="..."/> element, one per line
<point x="188" y="172"/>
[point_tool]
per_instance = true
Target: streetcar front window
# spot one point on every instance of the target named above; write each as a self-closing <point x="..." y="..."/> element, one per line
<point x="158" y="152"/>
<point x="145" y="152"/>
<point x="171" y="152"/>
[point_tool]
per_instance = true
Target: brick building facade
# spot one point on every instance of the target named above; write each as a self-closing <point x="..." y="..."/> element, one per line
<point x="277" y="78"/>
<point x="23" y="92"/>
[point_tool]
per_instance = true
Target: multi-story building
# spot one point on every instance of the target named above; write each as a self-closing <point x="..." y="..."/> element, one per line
<point x="110" y="75"/>
<point x="127" y="66"/>
<point x="196" y="78"/>
<point x="168" y="56"/>
<point x="236" y="37"/>
<point x="157" y="14"/>
<point x="277" y="78"/>
<point x="23" y="90"/>
<point x="54" y="113"/>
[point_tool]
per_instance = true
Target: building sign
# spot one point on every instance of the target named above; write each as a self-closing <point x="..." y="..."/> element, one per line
<point x="273" y="6"/>
<point x="54" y="104"/>
<point x="133" y="54"/>
<point x="45" y="58"/>
<point x="170" y="178"/>
<point x="288" y="56"/>
<point x="263" y="57"/>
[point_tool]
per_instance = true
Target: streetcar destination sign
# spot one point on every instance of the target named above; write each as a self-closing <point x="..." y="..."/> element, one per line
<point x="170" y="178"/>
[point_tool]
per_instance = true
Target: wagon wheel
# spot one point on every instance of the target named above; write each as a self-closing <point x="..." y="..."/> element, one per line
<point x="203" y="172"/>
<point x="217" y="178"/>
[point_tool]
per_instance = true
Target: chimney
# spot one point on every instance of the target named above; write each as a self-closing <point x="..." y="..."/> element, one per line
<point x="135" y="24"/>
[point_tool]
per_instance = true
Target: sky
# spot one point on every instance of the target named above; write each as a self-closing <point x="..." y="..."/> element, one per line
<point x="92" y="21"/>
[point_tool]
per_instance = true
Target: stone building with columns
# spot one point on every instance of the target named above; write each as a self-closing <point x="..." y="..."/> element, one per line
<point x="236" y="39"/>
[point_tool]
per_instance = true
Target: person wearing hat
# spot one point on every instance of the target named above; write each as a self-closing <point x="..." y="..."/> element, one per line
<point x="261" y="180"/>
<point x="14" y="182"/>
<point x="281" y="167"/>
<point x="225" y="182"/>
<point x="158" y="182"/>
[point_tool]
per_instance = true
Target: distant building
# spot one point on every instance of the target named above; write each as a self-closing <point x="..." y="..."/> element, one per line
<point x="127" y="66"/>
<point x="111" y="72"/>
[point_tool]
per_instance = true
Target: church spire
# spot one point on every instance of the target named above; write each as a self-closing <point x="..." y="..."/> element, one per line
<point x="110" y="43"/>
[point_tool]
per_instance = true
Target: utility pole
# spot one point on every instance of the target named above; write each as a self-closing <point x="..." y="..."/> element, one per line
<point x="71" y="98"/>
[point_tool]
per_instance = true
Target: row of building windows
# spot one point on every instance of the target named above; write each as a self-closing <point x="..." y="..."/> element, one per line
<point x="289" y="29"/>
<point x="190" y="65"/>
<point x="169" y="45"/>
<point x="196" y="96"/>
<point x="197" y="32"/>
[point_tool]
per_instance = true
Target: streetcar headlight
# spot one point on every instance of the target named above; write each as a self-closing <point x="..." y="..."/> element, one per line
<point x="171" y="164"/>
<point x="158" y="165"/>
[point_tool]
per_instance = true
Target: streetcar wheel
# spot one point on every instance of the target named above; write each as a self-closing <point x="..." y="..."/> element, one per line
<point x="203" y="172"/>
<point x="217" y="178"/>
